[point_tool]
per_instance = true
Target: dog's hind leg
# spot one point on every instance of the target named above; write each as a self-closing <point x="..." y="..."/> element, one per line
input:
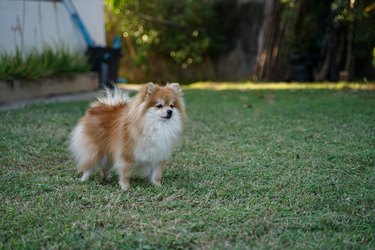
<point x="106" y="167"/>
<point x="86" y="174"/>
<point x="88" y="166"/>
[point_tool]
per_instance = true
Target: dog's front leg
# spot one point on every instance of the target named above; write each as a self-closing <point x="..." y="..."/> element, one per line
<point x="157" y="172"/>
<point x="124" y="169"/>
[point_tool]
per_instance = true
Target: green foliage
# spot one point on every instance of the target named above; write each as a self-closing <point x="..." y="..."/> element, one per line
<point x="307" y="20"/>
<point x="255" y="170"/>
<point x="332" y="39"/>
<point x="347" y="11"/>
<point x="313" y="18"/>
<point x="36" y="65"/>
<point x="183" y="32"/>
<point x="359" y="14"/>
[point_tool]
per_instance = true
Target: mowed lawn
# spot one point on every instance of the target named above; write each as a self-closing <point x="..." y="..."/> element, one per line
<point x="255" y="169"/>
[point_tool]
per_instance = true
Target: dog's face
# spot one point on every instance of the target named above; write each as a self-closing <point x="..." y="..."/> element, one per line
<point x="164" y="108"/>
<point x="164" y="103"/>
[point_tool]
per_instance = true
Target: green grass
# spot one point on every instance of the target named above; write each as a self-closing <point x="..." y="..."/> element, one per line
<point x="36" y="65"/>
<point x="255" y="169"/>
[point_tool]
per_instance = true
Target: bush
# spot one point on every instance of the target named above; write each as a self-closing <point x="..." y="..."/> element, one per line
<point x="36" y="65"/>
<point x="184" y="32"/>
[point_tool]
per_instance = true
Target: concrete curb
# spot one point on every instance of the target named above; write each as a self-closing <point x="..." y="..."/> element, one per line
<point x="15" y="91"/>
<point x="62" y="98"/>
<point x="91" y="95"/>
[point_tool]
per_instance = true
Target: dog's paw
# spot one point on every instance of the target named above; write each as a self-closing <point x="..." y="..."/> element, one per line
<point x="124" y="185"/>
<point x="156" y="183"/>
<point x="85" y="177"/>
<point x="106" y="177"/>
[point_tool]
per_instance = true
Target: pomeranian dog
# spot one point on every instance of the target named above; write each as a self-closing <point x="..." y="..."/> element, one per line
<point x="133" y="136"/>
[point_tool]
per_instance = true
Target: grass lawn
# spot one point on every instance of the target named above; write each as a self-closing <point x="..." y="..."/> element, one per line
<point x="255" y="169"/>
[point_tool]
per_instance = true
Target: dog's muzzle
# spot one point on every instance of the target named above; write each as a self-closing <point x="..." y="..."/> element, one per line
<point x="169" y="114"/>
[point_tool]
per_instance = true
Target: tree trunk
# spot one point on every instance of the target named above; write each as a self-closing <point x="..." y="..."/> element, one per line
<point x="267" y="39"/>
<point x="271" y="61"/>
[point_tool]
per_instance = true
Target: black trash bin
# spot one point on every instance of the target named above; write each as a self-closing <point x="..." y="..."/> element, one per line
<point x="105" y="61"/>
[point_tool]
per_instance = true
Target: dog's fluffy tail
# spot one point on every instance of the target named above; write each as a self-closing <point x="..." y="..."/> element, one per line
<point x="113" y="97"/>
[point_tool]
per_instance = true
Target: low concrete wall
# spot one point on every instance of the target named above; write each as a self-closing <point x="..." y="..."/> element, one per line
<point x="12" y="91"/>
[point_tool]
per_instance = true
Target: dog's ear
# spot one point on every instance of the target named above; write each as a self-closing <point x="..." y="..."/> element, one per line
<point x="175" y="87"/>
<point x="149" y="88"/>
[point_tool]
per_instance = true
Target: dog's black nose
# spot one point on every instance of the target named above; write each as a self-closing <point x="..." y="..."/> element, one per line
<point x="169" y="113"/>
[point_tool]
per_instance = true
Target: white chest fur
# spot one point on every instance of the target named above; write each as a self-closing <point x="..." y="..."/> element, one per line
<point x="157" y="140"/>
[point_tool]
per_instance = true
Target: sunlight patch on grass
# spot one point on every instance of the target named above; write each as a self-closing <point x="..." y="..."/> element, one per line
<point x="265" y="86"/>
<point x="280" y="86"/>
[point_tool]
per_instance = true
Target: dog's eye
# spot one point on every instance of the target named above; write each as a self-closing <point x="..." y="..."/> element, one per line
<point x="172" y="106"/>
<point x="159" y="106"/>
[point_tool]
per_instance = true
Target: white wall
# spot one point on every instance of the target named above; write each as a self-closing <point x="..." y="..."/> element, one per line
<point x="37" y="24"/>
